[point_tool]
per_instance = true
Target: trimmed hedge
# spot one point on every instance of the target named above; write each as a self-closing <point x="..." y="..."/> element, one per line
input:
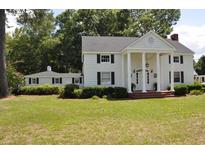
<point x="38" y="90"/>
<point x="89" y="92"/>
<point x="194" y="87"/>
<point x="68" y="91"/>
<point x="181" y="90"/>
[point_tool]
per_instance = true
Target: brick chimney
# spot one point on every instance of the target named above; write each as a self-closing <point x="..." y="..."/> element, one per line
<point x="175" y="37"/>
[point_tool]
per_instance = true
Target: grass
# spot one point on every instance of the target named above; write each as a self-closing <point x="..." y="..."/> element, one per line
<point x="49" y="120"/>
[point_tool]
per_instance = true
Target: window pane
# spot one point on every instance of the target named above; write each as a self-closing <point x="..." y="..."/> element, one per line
<point x="176" y="59"/>
<point x="176" y="76"/>
<point x="105" y="58"/>
<point x="105" y="78"/>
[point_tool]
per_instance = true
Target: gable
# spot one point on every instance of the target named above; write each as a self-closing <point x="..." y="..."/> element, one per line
<point x="151" y="41"/>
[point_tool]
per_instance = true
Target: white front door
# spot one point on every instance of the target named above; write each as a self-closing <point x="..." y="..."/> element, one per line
<point x="138" y="81"/>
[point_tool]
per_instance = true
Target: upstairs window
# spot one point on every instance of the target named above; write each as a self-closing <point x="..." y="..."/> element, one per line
<point x="176" y="59"/>
<point x="105" y="58"/>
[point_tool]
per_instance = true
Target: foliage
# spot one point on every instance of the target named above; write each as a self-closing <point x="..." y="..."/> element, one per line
<point x="196" y="92"/>
<point x="38" y="90"/>
<point x="200" y="65"/>
<point x="15" y="79"/>
<point x="89" y="92"/>
<point x="195" y="86"/>
<point x="181" y="90"/>
<point x="68" y="91"/>
<point x="95" y="97"/>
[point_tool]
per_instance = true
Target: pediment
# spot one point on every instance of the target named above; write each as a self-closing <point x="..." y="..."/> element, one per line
<point x="151" y="41"/>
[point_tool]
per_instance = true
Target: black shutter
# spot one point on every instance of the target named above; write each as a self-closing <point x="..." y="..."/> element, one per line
<point x="182" y="77"/>
<point x="37" y="80"/>
<point x="98" y="78"/>
<point x="29" y="80"/>
<point x="60" y="80"/>
<point x="73" y="80"/>
<point x="52" y="80"/>
<point x="98" y="58"/>
<point x="181" y="60"/>
<point x="169" y="59"/>
<point x="80" y="79"/>
<point x="169" y="77"/>
<point x="112" y="78"/>
<point x="112" y="59"/>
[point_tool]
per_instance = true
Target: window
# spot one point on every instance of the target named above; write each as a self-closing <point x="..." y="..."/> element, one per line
<point x="176" y="76"/>
<point x="105" y="78"/>
<point x="137" y="78"/>
<point x="176" y="59"/>
<point x="34" y="80"/>
<point x="105" y="58"/>
<point x="57" y="80"/>
<point x="147" y="77"/>
<point x="76" y="80"/>
<point x="202" y="79"/>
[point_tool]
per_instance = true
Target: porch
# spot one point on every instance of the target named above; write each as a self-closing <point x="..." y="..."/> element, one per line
<point x="143" y="72"/>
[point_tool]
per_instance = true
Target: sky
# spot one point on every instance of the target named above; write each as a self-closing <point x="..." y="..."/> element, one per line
<point x="190" y="28"/>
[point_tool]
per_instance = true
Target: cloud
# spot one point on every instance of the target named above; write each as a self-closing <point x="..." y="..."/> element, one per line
<point x="193" y="37"/>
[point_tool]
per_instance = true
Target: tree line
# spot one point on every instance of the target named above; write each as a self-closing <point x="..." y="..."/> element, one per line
<point x="43" y="39"/>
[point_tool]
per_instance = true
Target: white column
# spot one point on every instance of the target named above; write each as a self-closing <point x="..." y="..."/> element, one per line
<point x="123" y="71"/>
<point x="143" y="73"/>
<point x="158" y="72"/>
<point x="129" y="72"/>
<point x="172" y="73"/>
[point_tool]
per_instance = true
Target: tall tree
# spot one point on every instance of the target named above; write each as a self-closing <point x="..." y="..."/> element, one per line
<point x="3" y="76"/>
<point x="200" y="65"/>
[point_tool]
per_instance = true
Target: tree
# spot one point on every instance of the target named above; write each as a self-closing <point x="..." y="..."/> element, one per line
<point x="200" y="66"/>
<point x="3" y="76"/>
<point x="32" y="46"/>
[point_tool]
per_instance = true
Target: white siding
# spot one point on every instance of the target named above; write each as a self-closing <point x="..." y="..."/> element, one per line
<point x="91" y="67"/>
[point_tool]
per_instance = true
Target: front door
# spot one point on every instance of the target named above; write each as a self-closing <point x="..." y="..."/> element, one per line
<point x="138" y="77"/>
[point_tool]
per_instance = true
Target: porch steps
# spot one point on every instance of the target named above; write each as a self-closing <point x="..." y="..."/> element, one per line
<point x="151" y="94"/>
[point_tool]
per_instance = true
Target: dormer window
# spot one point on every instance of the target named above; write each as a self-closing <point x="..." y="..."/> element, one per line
<point x="105" y="58"/>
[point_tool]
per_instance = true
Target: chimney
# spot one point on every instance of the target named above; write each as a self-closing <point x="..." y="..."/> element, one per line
<point x="48" y="68"/>
<point x="175" y="37"/>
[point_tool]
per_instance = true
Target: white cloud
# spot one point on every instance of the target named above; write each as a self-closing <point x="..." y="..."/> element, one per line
<point x="193" y="37"/>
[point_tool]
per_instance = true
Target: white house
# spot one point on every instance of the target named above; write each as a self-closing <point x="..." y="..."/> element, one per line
<point x="144" y="61"/>
<point x="54" y="78"/>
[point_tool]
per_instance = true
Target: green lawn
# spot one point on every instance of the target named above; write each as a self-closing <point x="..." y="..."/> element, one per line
<point x="49" y="120"/>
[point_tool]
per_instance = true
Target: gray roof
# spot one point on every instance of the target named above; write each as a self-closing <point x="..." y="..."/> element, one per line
<point x="117" y="44"/>
<point x="54" y="74"/>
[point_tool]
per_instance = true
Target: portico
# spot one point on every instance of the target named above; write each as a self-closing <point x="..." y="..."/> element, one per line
<point x="146" y="71"/>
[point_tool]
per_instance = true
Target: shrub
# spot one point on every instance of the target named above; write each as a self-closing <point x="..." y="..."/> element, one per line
<point x="68" y="91"/>
<point x="194" y="87"/>
<point x="181" y="90"/>
<point x="119" y="92"/>
<point x="196" y="92"/>
<point x="88" y="92"/>
<point x="38" y="90"/>
<point x="95" y="97"/>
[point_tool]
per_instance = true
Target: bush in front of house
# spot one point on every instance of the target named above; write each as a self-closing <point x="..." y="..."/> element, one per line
<point x="118" y="92"/>
<point x="181" y="90"/>
<point x="196" y="92"/>
<point x="89" y="92"/>
<point x="38" y="90"/>
<point x="195" y="86"/>
<point x="68" y="91"/>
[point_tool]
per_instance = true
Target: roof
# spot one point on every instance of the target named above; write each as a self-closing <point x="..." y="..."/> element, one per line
<point x="117" y="44"/>
<point x="54" y="74"/>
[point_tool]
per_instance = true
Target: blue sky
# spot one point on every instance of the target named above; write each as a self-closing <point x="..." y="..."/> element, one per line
<point x="190" y="27"/>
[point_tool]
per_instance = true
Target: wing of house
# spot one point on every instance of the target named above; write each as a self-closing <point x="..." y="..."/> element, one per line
<point x="144" y="62"/>
<point x="50" y="77"/>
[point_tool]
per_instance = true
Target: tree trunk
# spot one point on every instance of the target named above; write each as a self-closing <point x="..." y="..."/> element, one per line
<point x="3" y="76"/>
